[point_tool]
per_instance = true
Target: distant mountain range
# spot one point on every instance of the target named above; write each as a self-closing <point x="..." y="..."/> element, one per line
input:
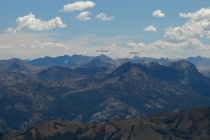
<point x="65" y="60"/>
<point x="202" y="63"/>
<point x="182" y="125"/>
<point x="60" y="61"/>
<point x="199" y="61"/>
<point x="76" y="60"/>
<point x="97" y="90"/>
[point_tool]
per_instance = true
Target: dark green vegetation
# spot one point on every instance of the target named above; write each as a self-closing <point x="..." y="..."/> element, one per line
<point x="183" y="125"/>
<point x="96" y="90"/>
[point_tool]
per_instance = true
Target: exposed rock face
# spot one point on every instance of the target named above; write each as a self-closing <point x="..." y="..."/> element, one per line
<point x="112" y="108"/>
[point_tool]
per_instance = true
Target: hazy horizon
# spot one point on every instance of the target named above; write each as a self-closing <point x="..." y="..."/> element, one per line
<point x="173" y="29"/>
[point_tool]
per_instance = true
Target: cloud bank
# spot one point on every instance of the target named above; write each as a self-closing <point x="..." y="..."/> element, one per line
<point x="49" y="45"/>
<point x="169" y="49"/>
<point x="31" y="23"/>
<point x="198" y="26"/>
<point x="6" y="47"/>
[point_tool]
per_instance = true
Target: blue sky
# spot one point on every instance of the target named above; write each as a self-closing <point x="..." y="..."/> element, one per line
<point x="153" y="28"/>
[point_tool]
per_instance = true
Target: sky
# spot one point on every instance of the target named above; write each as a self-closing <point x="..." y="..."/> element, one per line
<point x="116" y="28"/>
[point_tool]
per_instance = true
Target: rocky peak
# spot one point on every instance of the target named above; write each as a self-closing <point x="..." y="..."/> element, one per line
<point x="104" y="58"/>
<point x="183" y="65"/>
<point x="16" y="65"/>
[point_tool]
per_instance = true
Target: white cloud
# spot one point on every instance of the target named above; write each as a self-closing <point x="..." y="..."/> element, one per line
<point x="203" y="13"/>
<point x="132" y="44"/>
<point x="103" y="17"/>
<point x="158" y="13"/>
<point x="151" y="29"/>
<point x="78" y="6"/>
<point x="30" y="22"/>
<point x="198" y="26"/>
<point x="49" y="45"/>
<point x="83" y="16"/>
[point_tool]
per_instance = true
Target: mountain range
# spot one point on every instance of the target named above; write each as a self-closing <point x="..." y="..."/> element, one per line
<point x="97" y="90"/>
<point x="202" y="63"/>
<point x="75" y="60"/>
<point x="65" y="60"/>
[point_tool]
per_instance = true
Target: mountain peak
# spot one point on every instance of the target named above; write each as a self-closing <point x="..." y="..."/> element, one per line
<point x="149" y="64"/>
<point x="16" y="64"/>
<point x="199" y="56"/>
<point x="136" y="57"/>
<point x="182" y="65"/>
<point x="104" y="58"/>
